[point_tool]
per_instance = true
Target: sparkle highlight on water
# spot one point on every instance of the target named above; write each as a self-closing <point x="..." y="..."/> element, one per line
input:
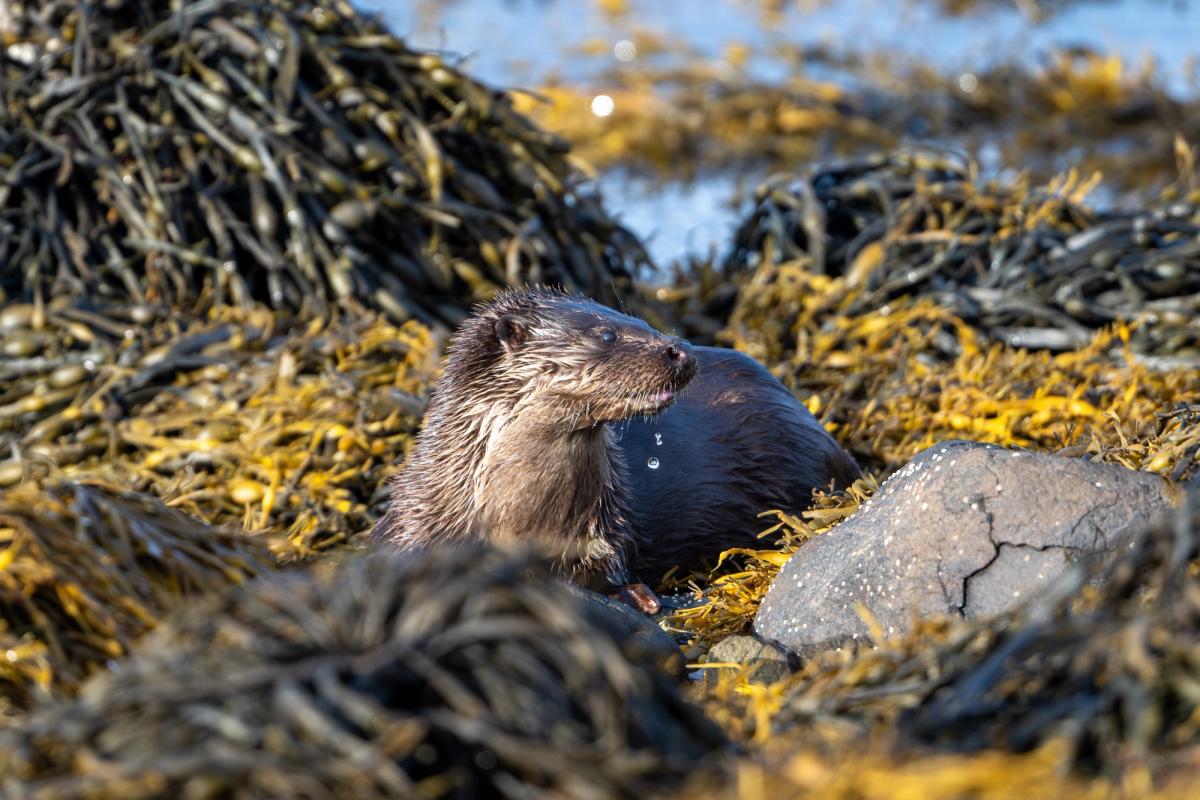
<point x="625" y="50"/>
<point x="602" y="105"/>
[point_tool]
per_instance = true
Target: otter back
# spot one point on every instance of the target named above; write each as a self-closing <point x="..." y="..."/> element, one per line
<point x="736" y="443"/>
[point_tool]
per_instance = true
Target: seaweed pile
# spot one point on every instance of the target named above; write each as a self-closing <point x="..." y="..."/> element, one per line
<point x="1031" y="266"/>
<point x="294" y="153"/>
<point x="682" y="121"/>
<point x="240" y="418"/>
<point x="86" y="568"/>
<point x="445" y="675"/>
<point x="279" y="434"/>
<point x="1072" y="107"/>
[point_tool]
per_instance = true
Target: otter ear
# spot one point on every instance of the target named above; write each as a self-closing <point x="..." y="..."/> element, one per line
<point x="511" y="330"/>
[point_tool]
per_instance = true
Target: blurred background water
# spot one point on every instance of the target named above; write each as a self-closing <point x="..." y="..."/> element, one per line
<point x="583" y="43"/>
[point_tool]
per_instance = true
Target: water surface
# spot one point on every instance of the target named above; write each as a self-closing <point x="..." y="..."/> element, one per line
<point x="524" y="42"/>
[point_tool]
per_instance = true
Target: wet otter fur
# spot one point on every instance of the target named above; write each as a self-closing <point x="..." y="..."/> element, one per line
<point x="566" y="424"/>
<point x="515" y="447"/>
<point x="735" y="444"/>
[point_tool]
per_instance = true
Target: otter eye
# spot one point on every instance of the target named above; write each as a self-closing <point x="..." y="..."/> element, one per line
<point x="608" y="335"/>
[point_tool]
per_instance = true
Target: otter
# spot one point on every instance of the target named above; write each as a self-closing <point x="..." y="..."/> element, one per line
<point x="621" y="451"/>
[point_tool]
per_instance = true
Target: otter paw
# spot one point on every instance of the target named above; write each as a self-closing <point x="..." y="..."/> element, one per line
<point x="639" y="596"/>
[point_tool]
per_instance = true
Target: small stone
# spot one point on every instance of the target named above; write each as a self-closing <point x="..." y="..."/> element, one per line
<point x="769" y="664"/>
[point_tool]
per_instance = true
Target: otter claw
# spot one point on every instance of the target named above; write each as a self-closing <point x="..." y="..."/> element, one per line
<point x="639" y="596"/>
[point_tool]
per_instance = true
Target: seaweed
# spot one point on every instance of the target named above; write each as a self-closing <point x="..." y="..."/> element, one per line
<point x="451" y="674"/>
<point x="680" y="114"/>
<point x="87" y="568"/>
<point x="1032" y="266"/>
<point x="242" y="418"/>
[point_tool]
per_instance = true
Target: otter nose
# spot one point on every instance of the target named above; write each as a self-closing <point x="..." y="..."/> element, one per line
<point x="679" y="354"/>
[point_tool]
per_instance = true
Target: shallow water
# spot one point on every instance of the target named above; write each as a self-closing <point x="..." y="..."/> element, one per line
<point x="522" y="42"/>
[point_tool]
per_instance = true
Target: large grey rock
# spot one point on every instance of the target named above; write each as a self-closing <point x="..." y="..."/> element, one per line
<point x="965" y="528"/>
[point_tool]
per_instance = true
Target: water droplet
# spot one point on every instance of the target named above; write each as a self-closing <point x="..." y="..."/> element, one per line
<point x="11" y="655"/>
<point x="658" y="439"/>
<point x="652" y="462"/>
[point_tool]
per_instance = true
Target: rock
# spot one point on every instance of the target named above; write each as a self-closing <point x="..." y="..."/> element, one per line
<point x="965" y="528"/>
<point x="771" y="664"/>
<point x="639" y="630"/>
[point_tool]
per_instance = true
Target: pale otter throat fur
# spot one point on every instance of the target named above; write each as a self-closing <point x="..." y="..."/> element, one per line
<point x="514" y="447"/>
<point x="561" y="423"/>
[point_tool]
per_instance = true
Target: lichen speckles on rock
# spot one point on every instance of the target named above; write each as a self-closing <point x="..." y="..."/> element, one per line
<point x="965" y="528"/>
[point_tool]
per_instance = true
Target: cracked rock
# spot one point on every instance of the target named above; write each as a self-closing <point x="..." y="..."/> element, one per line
<point x="965" y="528"/>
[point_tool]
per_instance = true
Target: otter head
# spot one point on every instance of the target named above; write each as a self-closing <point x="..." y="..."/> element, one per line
<point x="590" y="363"/>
